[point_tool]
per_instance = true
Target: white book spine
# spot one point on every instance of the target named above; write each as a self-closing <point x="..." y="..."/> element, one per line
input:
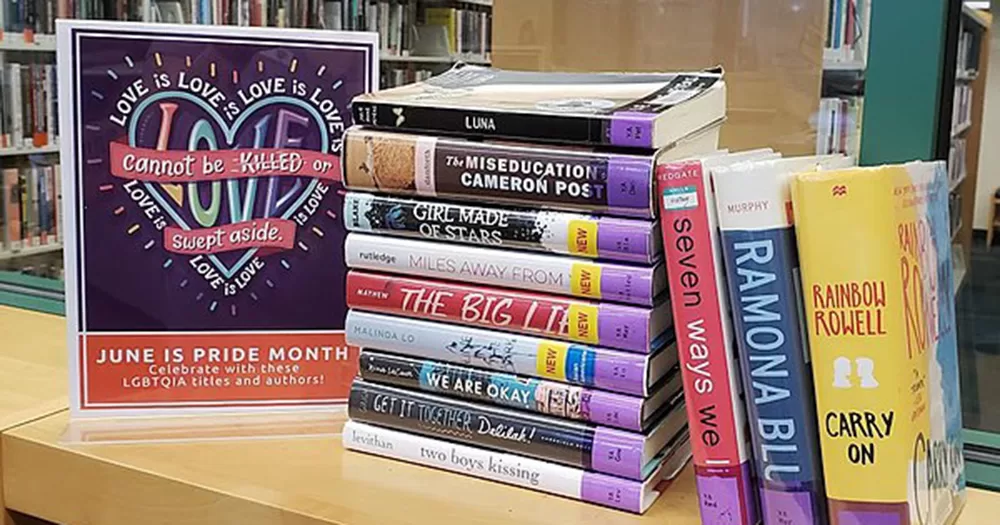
<point x="16" y="104"/>
<point x="34" y="217"/>
<point x="383" y="25"/>
<point x="632" y="496"/>
<point x="512" y="269"/>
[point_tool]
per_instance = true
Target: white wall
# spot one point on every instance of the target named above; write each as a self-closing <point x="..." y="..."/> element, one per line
<point x="989" y="149"/>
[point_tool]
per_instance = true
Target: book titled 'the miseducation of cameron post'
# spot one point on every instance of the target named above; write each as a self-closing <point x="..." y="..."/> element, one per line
<point x="623" y="283"/>
<point x="525" y="393"/>
<point x="559" y="232"/>
<point x="605" y="369"/>
<point x="877" y="278"/>
<point x="716" y="412"/>
<point x="629" y="455"/>
<point x="535" y="474"/>
<point x="520" y="174"/>
<point x="622" y="327"/>
<point x="638" y="110"/>
<point x="758" y="242"/>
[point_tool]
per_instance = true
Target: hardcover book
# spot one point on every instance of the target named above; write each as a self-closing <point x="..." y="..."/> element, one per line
<point x="558" y="232"/>
<point x="529" y="473"/>
<point x="716" y="412"/>
<point x="877" y="280"/>
<point x="642" y="110"/>
<point x="492" y="266"/>
<point x="631" y="328"/>
<point x="753" y="200"/>
<point x="531" y="356"/>
<point x="521" y="392"/>
<point x="629" y="455"/>
<point x="556" y="177"/>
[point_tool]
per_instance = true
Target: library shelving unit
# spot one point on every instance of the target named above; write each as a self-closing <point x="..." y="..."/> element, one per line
<point x="838" y="121"/>
<point x="28" y="161"/>
<point x="959" y="137"/>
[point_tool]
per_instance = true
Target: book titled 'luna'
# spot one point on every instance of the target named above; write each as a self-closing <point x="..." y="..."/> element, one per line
<point x="716" y="413"/>
<point x="758" y="241"/>
<point x="878" y="292"/>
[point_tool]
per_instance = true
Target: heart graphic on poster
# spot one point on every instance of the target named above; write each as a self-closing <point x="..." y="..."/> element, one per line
<point x="177" y="121"/>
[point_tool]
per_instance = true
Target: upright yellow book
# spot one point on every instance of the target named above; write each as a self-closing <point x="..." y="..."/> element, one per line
<point x="446" y="17"/>
<point x="876" y="282"/>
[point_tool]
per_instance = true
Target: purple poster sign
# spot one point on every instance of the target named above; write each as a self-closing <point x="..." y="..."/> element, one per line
<point x="204" y="247"/>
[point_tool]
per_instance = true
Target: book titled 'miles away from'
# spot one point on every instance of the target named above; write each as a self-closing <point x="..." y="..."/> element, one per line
<point x="640" y="110"/>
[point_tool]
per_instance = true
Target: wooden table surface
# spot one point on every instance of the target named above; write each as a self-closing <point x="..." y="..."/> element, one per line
<point x="32" y="371"/>
<point x="48" y="473"/>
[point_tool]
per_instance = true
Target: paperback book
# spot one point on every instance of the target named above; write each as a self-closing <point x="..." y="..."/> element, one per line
<point x="587" y="236"/>
<point x="758" y="242"/>
<point x="716" y="412"/>
<point x="522" y="392"/>
<point x="631" y="328"/>
<point x="640" y="110"/>
<point x="496" y="267"/>
<point x="526" y="472"/>
<point x="518" y="354"/>
<point x="550" y="177"/>
<point x="879" y="300"/>
<point x="629" y="455"/>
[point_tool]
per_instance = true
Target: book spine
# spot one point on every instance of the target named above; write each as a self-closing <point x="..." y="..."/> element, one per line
<point x="861" y="245"/>
<point x="33" y="213"/>
<point x="565" y="233"/>
<point x="498" y="388"/>
<point x="25" y="199"/>
<point x="600" y="449"/>
<point x="758" y="241"/>
<point x="59" y="220"/>
<point x="554" y="177"/>
<point x="12" y="195"/>
<point x="623" y="327"/>
<point x="43" y="202"/>
<point x="495" y="267"/>
<point x="711" y="381"/>
<point x="17" y="113"/>
<point x="531" y="356"/>
<point x="515" y="470"/>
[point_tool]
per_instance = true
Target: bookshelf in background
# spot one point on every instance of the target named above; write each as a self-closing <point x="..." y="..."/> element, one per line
<point x="838" y="121"/>
<point x="29" y="145"/>
<point x="963" y="127"/>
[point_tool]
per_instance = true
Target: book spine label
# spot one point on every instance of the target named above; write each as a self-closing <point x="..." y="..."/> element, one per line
<point x="623" y="327"/>
<point x="496" y="466"/>
<point x="577" y="364"/>
<point x="865" y="250"/>
<point x="556" y="232"/>
<point x="557" y="177"/>
<point x="532" y="395"/>
<point x="711" y="384"/>
<point x="545" y="273"/>
<point x="599" y="449"/>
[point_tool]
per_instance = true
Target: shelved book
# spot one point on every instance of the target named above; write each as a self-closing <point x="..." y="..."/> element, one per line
<point x="529" y="473"/>
<point x="613" y="282"/>
<point x="601" y="368"/>
<point x="522" y="174"/>
<point x="30" y="207"/>
<point x="521" y="392"/>
<point x="847" y="30"/>
<point x="629" y="455"/>
<point x="28" y="105"/>
<point x="630" y="328"/>
<point x="641" y="110"/>
<point x="588" y="236"/>
<point x="753" y="201"/>
<point x="717" y="415"/>
<point x="878" y="289"/>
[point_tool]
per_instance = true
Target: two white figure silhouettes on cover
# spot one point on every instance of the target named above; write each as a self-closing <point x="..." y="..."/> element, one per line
<point x="842" y="373"/>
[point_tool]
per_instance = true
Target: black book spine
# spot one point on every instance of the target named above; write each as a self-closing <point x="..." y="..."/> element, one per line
<point x="482" y="123"/>
<point x="485" y="426"/>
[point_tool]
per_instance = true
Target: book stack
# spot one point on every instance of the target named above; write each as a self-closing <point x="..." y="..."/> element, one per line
<point x="507" y="279"/>
<point x="30" y="208"/>
<point x="28" y="105"/>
